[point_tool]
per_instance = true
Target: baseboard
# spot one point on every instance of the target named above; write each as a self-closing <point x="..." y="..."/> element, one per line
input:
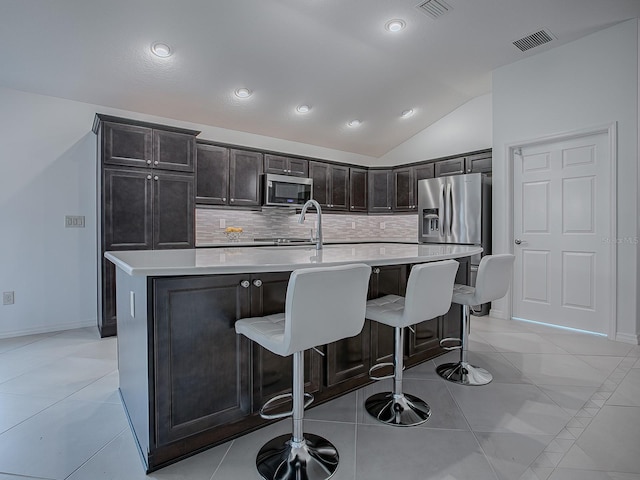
<point x="50" y="328"/>
<point x="497" y="314"/>
<point x="628" y="338"/>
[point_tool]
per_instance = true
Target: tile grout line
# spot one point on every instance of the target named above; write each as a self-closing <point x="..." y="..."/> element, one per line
<point x="544" y="466"/>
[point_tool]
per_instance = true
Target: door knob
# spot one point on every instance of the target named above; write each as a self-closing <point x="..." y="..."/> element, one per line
<point x="517" y="241"/>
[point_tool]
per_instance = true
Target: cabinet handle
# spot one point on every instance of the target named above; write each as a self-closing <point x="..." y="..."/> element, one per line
<point x="156" y="177"/>
<point x="245" y="284"/>
<point x="148" y="177"/>
<point x="148" y="162"/>
<point x="233" y="199"/>
<point x="389" y="208"/>
<point x="376" y="270"/>
<point x="257" y="282"/>
<point x="224" y="199"/>
<point x="156" y="162"/>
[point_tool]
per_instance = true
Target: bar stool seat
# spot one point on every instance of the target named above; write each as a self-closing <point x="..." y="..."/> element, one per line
<point x="323" y="305"/>
<point x="429" y="291"/>
<point x="492" y="283"/>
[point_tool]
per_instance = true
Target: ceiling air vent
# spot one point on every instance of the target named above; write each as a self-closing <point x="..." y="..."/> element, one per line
<point x="534" y="40"/>
<point x="435" y="8"/>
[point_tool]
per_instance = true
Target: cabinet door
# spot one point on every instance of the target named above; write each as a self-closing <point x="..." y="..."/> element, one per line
<point x="358" y="190"/>
<point x="480" y="163"/>
<point x="127" y="212"/>
<point x="202" y="371"/>
<point x="339" y="187"/>
<point x="245" y="170"/>
<point x="386" y="280"/>
<point x="173" y="210"/>
<point x="174" y="151"/>
<point x="453" y="166"/>
<point x="272" y="374"/>
<point x="349" y="358"/>
<point x="424" y="171"/>
<point x="380" y="191"/>
<point x="320" y="174"/>
<point x="298" y="167"/>
<point x="405" y="198"/>
<point x="126" y="145"/>
<point x="212" y="175"/>
<point x="280" y="165"/>
<point x="276" y="164"/>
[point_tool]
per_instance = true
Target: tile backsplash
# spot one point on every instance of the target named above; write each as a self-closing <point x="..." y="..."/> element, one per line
<point x="283" y="222"/>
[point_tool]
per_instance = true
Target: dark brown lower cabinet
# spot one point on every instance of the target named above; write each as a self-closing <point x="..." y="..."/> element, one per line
<point x="349" y="358"/>
<point x="189" y="382"/>
<point x="202" y="367"/>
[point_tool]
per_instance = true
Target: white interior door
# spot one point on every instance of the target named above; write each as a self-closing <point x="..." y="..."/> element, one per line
<point x="561" y="209"/>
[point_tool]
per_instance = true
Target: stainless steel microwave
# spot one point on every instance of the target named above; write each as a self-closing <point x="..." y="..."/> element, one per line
<point x="283" y="190"/>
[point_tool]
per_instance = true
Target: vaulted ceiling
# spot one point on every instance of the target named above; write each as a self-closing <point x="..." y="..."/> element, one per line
<point x="335" y="56"/>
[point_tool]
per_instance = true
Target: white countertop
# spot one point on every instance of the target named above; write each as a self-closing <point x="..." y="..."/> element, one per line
<point x="221" y="260"/>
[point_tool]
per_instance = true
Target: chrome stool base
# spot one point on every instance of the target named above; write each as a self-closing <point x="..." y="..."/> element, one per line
<point x="402" y="411"/>
<point x="464" y="374"/>
<point x="315" y="458"/>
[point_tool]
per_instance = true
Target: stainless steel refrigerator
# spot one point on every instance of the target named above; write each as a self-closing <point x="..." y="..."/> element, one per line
<point x="457" y="209"/>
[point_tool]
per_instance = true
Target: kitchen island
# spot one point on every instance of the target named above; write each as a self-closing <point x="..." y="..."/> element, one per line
<point x="188" y="382"/>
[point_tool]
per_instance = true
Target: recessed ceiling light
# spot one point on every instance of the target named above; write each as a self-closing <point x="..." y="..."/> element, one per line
<point x="303" y="108"/>
<point x="407" y="113"/>
<point x="395" y="25"/>
<point x="242" y="93"/>
<point x="161" y="50"/>
<point x="354" y="123"/>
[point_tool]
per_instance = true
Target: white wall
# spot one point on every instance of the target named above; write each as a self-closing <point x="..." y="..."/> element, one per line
<point x="590" y="82"/>
<point x="467" y="128"/>
<point x="48" y="170"/>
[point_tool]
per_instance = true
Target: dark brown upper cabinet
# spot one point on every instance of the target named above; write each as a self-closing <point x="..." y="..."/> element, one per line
<point x="330" y="185"/>
<point x="480" y="163"/>
<point x="405" y="180"/>
<point x="381" y="191"/>
<point x="130" y="145"/>
<point x="228" y="176"/>
<point x="358" y="183"/>
<point x="297" y="167"/>
<point x="405" y="189"/>
<point x="245" y="175"/>
<point x="212" y="174"/>
<point x="451" y="166"/>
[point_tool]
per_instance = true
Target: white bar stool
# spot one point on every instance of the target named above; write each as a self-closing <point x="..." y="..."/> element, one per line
<point x="492" y="283"/>
<point x="323" y="305"/>
<point x="428" y="295"/>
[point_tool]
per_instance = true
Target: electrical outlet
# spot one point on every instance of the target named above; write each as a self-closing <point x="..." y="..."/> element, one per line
<point x="353" y="225"/>
<point x="382" y="226"/>
<point x="8" y="298"/>
<point x="74" y="221"/>
<point x="223" y="223"/>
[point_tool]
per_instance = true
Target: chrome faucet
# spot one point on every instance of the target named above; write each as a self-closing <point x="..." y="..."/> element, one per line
<point x="318" y="221"/>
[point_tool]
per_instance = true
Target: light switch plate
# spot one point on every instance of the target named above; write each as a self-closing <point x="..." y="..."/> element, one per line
<point x="74" y="221"/>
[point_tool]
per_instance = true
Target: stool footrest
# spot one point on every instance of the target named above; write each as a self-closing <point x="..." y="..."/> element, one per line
<point x="378" y="366"/>
<point x="456" y="341"/>
<point x="273" y="416"/>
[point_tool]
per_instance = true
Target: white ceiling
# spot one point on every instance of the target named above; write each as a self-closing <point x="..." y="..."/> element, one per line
<point x="334" y="55"/>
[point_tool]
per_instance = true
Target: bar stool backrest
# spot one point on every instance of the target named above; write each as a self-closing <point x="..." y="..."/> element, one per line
<point x="429" y="291"/>
<point x="325" y="304"/>
<point x="494" y="277"/>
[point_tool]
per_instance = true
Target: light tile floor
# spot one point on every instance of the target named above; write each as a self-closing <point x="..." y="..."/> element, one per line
<point x="562" y="406"/>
